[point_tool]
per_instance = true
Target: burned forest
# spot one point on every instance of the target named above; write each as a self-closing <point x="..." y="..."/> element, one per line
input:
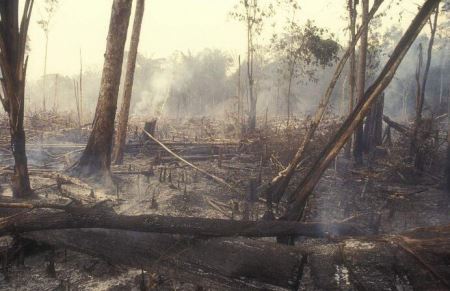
<point x="224" y="145"/>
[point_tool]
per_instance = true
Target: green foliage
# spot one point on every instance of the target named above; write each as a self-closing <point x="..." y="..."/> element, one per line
<point x="304" y="48"/>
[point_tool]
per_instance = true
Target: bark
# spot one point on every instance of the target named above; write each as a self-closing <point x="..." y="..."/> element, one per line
<point x="68" y="217"/>
<point x="13" y="68"/>
<point x="448" y="146"/>
<point x="250" y="63"/>
<point x="331" y="150"/>
<point x="419" y="258"/>
<point x="421" y="87"/>
<point x="397" y="126"/>
<point x="96" y="158"/>
<point x="279" y="184"/>
<point x="361" y="81"/>
<point x="121" y="134"/>
<point x="352" y="67"/>
<point x="373" y="127"/>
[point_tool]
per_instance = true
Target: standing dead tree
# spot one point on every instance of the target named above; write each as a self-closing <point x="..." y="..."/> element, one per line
<point x="420" y="94"/>
<point x="331" y="150"/>
<point x="351" y="6"/>
<point x="279" y="184"/>
<point x="121" y="134"/>
<point x="13" y="67"/>
<point x="252" y="15"/>
<point x="361" y="82"/>
<point x="44" y="23"/>
<point x="96" y="158"/>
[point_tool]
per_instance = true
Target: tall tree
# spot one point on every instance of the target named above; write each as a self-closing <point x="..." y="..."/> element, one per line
<point x="121" y="134"/>
<point x="351" y="6"/>
<point x="416" y="140"/>
<point x="252" y="13"/>
<point x="303" y="49"/>
<point x="361" y="81"/>
<point x="96" y="158"/>
<point x="44" y="23"/>
<point x="13" y="67"/>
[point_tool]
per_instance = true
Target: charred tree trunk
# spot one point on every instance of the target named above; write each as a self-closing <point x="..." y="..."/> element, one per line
<point x="251" y="82"/>
<point x="279" y="183"/>
<point x="355" y="119"/>
<point x="373" y="127"/>
<point x="96" y="158"/>
<point x="121" y="134"/>
<point x="352" y="67"/>
<point x="415" y="260"/>
<point x="361" y="81"/>
<point x="416" y="148"/>
<point x="13" y="69"/>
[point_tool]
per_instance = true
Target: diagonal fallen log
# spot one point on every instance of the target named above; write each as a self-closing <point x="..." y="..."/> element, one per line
<point x="205" y="173"/>
<point x="397" y="126"/>
<point x="82" y="217"/>
<point x="416" y="260"/>
<point x="331" y="150"/>
<point x="279" y="184"/>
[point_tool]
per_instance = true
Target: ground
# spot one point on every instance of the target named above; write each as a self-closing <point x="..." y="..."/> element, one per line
<point x="383" y="196"/>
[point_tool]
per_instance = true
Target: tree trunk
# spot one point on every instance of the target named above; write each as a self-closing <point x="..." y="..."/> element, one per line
<point x="361" y="81"/>
<point x="373" y="127"/>
<point x="416" y="150"/>
<point x="352" y="67"/>
<point x="121" y="134"/>
<point x="448" y="145"/>
<point x="331" y="150"/>
<point x="415" y="260"/>
<point x="251" y="81"/>
<point x="96" y="158"/>
<point x="279" y="183"/>
<point x="83" y="217"/>
<point x="13" y="69"/>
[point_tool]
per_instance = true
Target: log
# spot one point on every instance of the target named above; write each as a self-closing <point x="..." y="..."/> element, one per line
<point x="64" y="216"/>
<point x="415" y="260"/>
<point x="397" y="126"/>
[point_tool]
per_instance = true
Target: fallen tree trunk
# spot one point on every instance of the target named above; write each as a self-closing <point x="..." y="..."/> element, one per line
<point x="81" y="217"/>
<point x="415" y="260"/>
<point x="397" y="126"/>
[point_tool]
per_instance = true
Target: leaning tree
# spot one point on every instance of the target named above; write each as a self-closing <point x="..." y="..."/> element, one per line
<point x="121" y="134"/>
<point x="13" y="67"/>
<point x="96" y="158"/>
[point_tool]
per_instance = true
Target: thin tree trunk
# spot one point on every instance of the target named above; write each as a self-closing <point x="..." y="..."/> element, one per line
<point x="96" y="158"/>
<point x="81" y="89"/>
<point x="250" y="59"/>
<point x="361" y="81"/>
<point x="13" y="68"/>
<point x="351" y="69"/>
<point x="121" y="134"/>
<point x="417" y="140"/>
<point x="44" y="89"/>
<point x="280" y="182"/>
<point x="331" y="150"/>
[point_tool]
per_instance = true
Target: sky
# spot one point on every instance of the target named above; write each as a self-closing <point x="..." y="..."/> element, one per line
<point x="168" y="26"/>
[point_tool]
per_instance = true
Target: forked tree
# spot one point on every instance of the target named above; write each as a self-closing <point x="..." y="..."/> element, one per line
<point x="13" y="65"/>
<point x="96" y="158"/>
<point x="121" y="134"/>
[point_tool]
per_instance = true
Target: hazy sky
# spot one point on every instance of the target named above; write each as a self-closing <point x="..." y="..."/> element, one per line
<point x="168" y="25"/>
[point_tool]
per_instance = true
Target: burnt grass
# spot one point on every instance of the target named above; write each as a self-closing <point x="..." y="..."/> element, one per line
<point x="385" y="195"/>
